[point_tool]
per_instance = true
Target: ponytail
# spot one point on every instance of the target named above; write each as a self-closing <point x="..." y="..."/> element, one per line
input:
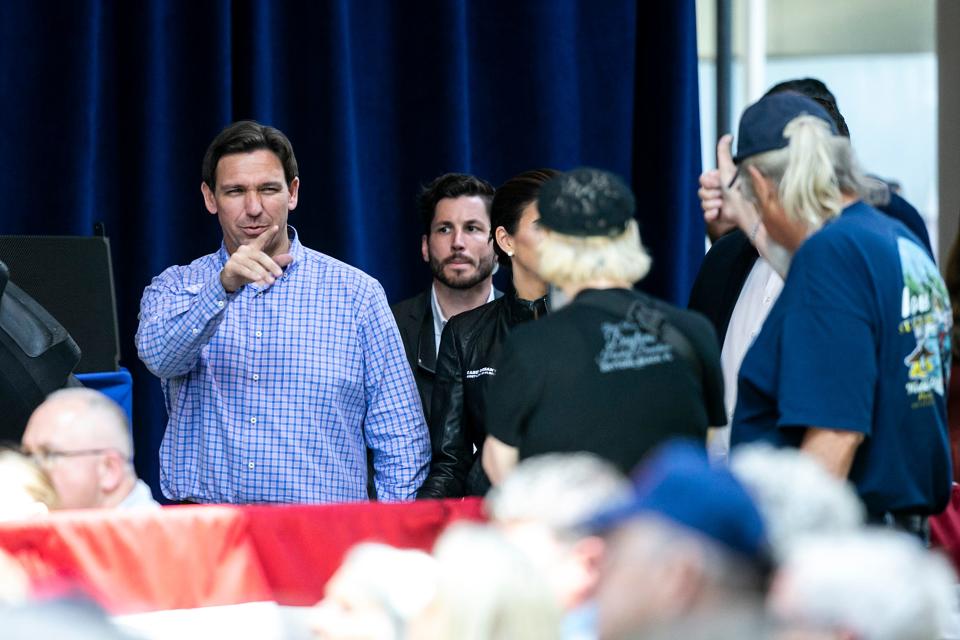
<point x="809" y="189"/>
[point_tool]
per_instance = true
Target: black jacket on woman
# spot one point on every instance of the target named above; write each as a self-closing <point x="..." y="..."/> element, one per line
<point x="469" y="351"/>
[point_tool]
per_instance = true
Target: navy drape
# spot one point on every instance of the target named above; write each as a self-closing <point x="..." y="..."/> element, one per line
<point x="108" y="107"/>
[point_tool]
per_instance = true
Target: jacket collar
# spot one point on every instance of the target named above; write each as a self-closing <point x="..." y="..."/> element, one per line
<point x="521" y="310"/>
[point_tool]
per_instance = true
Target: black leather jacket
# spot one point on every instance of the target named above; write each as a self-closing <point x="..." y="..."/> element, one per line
<point x="469" y="350"/>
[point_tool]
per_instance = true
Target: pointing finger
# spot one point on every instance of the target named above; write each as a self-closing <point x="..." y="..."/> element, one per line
<point x="261" y="240"/>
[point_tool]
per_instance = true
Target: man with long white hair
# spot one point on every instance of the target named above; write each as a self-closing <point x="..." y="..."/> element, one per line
<point x="852" y="363"/>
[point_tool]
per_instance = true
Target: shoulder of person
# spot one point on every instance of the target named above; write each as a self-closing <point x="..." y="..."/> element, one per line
<point x="476" y="319"/>
<point x="340" y="271"/>
<point x="414" y="305"/>
<point x="692" y="323"/>
<point x="197" y="272"/>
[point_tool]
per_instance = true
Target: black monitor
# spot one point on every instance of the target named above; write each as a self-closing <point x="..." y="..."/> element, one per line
<point x="37" y="356"/>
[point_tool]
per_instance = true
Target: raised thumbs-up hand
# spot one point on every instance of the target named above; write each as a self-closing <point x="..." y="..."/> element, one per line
<point x="249" y="263"/>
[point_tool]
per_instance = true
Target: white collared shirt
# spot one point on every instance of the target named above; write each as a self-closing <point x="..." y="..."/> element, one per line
<point x="439" y="321"/>
<point x="760" y="290"/>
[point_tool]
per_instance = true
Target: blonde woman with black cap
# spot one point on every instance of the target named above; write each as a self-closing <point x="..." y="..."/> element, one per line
<point x="614" y="372"/>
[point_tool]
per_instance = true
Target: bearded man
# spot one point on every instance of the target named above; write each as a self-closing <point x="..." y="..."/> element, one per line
<point x="457" y="244"/>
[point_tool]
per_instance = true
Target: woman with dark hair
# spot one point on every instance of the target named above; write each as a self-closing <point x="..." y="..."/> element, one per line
<point x="472" y="341"/>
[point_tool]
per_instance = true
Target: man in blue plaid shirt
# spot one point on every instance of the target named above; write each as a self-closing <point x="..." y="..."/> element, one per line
<point x="279" y="364"/>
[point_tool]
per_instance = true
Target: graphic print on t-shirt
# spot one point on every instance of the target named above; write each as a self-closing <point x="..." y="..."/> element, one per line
<point x="925" y="311"/>
<point x="627" y="346"/>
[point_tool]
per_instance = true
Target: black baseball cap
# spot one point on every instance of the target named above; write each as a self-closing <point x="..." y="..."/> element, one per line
<point x="586" y="202"/>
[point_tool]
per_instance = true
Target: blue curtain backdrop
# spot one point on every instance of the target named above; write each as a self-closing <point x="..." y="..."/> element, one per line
<point x="108" y="106"/>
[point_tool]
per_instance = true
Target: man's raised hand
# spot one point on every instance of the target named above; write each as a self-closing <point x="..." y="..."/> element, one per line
<point x="250" y="264"/>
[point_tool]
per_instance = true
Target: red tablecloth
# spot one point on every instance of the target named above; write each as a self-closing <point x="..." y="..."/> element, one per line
<point x="181" y="557"/>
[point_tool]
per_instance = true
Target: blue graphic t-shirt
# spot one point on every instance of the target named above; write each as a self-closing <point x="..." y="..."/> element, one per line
<point x="859" y="340"/>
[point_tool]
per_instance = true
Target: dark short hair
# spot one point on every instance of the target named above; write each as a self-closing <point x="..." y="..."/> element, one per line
<point x="450" y="185"/>
<point x="815" y="90"/>
<point x="246" y="136"/>
<point x="513" y="196"/>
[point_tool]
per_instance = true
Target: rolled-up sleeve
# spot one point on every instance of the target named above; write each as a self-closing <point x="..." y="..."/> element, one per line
<point x="177" y="320"/>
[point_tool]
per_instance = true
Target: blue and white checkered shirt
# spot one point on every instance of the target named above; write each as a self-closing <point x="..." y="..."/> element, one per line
<point x="274" y="394"/>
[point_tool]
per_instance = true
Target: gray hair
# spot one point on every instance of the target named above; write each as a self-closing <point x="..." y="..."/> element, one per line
<point x="557" y="490"/>
<point x="102" y="412"/>
<point x="572" y="260"/>
<point x="502" y="595"/>
<point x="878" y="584"/>
<point x="402" y="582"/>
<point x="795" y="494"/>
<point x="811" y="172"/>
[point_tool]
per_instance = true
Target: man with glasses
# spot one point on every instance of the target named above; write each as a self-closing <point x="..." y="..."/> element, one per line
<point x="81" y="439"/>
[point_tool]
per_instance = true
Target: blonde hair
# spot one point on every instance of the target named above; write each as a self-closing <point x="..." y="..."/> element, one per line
<point x="572" y="260"/>
<point x="811" y="173"/>
<point x="20" y="474"/>
<point x="501" y="596"/>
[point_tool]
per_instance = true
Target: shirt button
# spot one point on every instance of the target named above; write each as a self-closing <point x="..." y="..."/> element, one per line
<point x="251" y="465"/>
<point x="256" y="377"/>
<point x="766" y="300"/>
<point x="196" y="331"/>
<point x="253" y="421"/>
<point x="259" y="334"/>
<point x="220" y="303"/>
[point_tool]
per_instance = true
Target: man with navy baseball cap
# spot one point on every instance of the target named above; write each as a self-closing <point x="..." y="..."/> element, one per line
<point x="689" y="546"/>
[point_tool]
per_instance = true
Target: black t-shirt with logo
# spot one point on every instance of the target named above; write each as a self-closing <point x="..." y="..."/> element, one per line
<point x="592" y="377"/>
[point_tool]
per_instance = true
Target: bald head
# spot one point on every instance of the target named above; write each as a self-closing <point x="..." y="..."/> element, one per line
<point x="82" y="438"/>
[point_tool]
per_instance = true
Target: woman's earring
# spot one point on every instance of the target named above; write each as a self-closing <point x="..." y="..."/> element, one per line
<point x="509" y="254"/>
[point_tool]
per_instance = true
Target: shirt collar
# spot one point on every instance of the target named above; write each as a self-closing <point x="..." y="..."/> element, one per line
<point x="438" y="318"/>
<point x="439" y="321"/>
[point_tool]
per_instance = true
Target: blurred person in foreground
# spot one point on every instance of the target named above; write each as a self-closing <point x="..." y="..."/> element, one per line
<point x="686" y="554"/>
<point x="472" y="342"/>
<point x="852" y="363"/>
<point x="874" y="584"/>
<point x="538" y="508"/>
<point x="795" y="494"/>
<point x="81" y="439"/>
<point x="487" y="590"/>
<point x="26" y="491"/>
<point x="614" y="372"/>
<point x="375" y="594"/>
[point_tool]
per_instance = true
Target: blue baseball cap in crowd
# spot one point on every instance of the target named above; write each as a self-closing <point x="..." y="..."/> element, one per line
<point x="762" y="124"/>
<point x="678" y="484"/>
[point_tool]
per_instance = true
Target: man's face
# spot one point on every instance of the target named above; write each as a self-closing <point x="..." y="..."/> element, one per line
<point x="76" y="478"/>
<point x="459" y="248"/>
<point x="632" y="594"/>
<point x="251" y="196"/>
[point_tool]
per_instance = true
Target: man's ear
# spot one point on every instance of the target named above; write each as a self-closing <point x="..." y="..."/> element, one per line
<point x="294" y="194"/>
<point x="424" y="248"/>
<point x="112" y="470"/>
<point x="208" y="199"/>
<point x="761" y="186"/>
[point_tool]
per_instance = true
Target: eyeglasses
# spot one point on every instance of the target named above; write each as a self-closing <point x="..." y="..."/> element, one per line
<point x="46" y="457"/>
